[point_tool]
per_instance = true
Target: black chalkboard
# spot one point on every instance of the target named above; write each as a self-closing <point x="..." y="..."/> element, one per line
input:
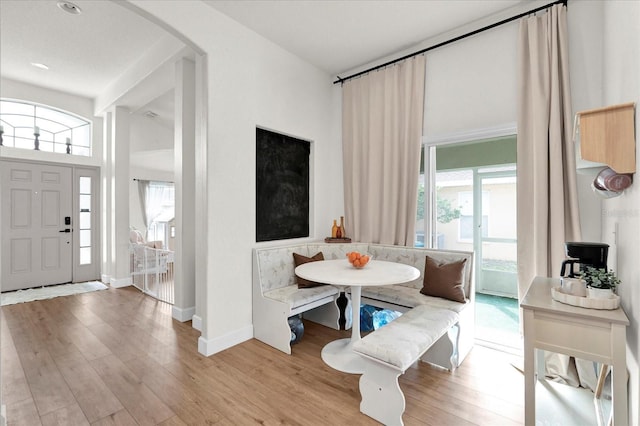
<point x="282" y="186"/>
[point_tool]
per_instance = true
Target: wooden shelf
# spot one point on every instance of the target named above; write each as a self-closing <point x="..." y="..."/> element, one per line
<point x="337" y="240"/>
<point x="607" y="136"/>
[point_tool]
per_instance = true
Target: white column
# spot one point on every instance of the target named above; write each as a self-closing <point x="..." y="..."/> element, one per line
<point x="202" y="199"/>
<point x="184" y="151"/>
<point x="118" y="213"/>
<point x="105" y="200"/>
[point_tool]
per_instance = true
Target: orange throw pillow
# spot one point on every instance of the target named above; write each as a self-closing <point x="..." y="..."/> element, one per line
<point x="444" y="280"/>
<point x="298" y="260"/>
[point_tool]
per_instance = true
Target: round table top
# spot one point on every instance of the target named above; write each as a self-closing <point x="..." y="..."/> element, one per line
<point x="340" y="272"/>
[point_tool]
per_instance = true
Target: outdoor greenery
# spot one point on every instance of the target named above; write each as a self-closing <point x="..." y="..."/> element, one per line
<point x="446" y="213"/>
<point x="600" y="278"/>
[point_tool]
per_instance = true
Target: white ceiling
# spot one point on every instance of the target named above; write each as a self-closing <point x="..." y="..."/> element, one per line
<point x="338" y="36"/>
<point x="86" y="53"/>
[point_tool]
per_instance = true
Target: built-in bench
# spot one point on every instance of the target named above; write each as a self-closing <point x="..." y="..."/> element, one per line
<point x="389" y="351"/>
<point x="276" y="296"/>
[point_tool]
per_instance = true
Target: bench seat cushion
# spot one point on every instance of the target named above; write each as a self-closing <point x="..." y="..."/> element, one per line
<point x="402" y="342"/>
<point x="402" y="295"/>
<point x="297" y="297"/>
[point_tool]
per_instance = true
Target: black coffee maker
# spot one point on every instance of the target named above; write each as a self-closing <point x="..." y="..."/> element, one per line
<point x="584" y="254"/>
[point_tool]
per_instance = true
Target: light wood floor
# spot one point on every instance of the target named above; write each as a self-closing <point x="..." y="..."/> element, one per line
<point x="116" y="357"/>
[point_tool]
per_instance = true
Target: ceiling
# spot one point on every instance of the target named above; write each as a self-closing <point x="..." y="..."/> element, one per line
<point x="338" y="36"/>
<point x="87" y="52"/>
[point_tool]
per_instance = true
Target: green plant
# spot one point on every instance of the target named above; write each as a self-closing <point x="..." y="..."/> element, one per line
<point x="600" y="278"/>
<point x="445" y="212"/>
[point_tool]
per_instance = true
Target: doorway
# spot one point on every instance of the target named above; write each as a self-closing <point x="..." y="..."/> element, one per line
<point x="472" y="200"/>
<point x="48" y="224"/>
<point x="477" y="212"/>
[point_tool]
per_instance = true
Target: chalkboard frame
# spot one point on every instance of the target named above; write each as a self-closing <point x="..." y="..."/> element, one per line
<point x="282" y="186"/>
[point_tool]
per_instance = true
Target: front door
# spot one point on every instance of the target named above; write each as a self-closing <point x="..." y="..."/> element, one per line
<point x="36" y="225"/>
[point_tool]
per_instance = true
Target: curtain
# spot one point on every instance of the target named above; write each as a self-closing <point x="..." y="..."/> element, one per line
<point x="154" y="199"/>
<point x="382" y="115"/>
<point x="142" y="193"/>
<point x="547" y="190"/>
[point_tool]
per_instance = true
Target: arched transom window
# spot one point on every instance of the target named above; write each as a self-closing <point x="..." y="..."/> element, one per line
<point x="32" y="126"/>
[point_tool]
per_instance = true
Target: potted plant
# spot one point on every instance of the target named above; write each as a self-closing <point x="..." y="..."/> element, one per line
<point x="600" y="282"/>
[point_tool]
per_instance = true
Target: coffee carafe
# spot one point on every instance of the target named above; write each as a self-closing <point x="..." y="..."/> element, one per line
<point x="583" y="254"/>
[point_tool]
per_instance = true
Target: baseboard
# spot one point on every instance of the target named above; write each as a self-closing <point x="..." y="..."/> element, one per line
<point x="208" y="347"/>
<point x="183" y="315"/>
<point x="119" y="283"/>
<point x="196" y="322"/>
<point x="105" y="278"/>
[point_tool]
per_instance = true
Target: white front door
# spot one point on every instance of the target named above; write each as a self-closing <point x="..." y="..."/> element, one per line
<point x="36" y="225"/>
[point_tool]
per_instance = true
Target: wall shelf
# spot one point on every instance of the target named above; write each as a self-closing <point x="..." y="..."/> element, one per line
<point x="607" y="136"/>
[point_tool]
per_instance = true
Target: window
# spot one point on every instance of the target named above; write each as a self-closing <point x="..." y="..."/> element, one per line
<point x="158" y="199"/>
<point x="85" y="220"/>
<point x="37" y="127"/>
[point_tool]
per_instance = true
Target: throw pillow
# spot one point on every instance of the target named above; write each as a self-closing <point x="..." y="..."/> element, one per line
<point x="444" y="280"/>
<point x="298" y="260"/>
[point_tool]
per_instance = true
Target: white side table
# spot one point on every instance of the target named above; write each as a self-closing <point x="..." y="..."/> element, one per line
<point x="592" y="334"/>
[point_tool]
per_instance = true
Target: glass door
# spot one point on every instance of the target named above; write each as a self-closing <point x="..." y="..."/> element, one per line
<point x="495" y="231"/>
<point x="475" y="210"/>
<point x="470" y="192"/>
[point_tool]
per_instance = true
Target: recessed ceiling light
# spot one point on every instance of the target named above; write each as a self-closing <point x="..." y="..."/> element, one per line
<point x="69" y="7"/>
<point x="39" y="65"/>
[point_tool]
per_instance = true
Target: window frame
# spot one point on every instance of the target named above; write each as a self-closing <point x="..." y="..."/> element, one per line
<point x="50" y="134"/>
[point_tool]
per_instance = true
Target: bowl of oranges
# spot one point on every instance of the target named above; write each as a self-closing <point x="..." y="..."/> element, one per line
<point x="358" y="260"/>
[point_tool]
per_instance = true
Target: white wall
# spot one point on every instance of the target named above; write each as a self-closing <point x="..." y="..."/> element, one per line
<point x="251" y="82"/>
<point x="471" y="84"/>
<point x="621" y="83"/>
<point x="148" y="134"/>
<point x="585" y="60"/>
<point x="64" y="101"/>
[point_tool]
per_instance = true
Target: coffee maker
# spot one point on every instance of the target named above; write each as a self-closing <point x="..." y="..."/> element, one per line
<point x="583" y="254"/>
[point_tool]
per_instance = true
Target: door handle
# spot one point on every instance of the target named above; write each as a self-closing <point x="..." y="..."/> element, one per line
<point x="65" y="230"/>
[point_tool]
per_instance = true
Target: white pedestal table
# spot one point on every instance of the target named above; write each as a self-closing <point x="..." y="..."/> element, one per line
<point x="339" y="353"/>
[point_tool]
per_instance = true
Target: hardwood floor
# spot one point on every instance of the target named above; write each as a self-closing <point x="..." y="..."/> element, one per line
<point x="116" y="357"/>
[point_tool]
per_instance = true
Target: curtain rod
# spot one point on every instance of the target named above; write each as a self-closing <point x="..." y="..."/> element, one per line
<point x="154" y="180"/>
<point x="444" y="43"/>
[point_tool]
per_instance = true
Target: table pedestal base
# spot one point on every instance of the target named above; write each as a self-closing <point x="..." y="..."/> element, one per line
<point x="339" y="355"/>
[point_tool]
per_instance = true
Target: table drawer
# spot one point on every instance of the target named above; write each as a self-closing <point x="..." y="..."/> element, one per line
<point x="577" y="337"/>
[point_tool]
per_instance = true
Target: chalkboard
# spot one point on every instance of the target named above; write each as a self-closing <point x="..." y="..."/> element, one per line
<point x="282" y="186"/>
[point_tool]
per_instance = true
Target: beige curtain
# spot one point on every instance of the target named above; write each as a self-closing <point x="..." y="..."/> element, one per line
<point x="547" y="192"/>
<point x="382" y="114"/>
